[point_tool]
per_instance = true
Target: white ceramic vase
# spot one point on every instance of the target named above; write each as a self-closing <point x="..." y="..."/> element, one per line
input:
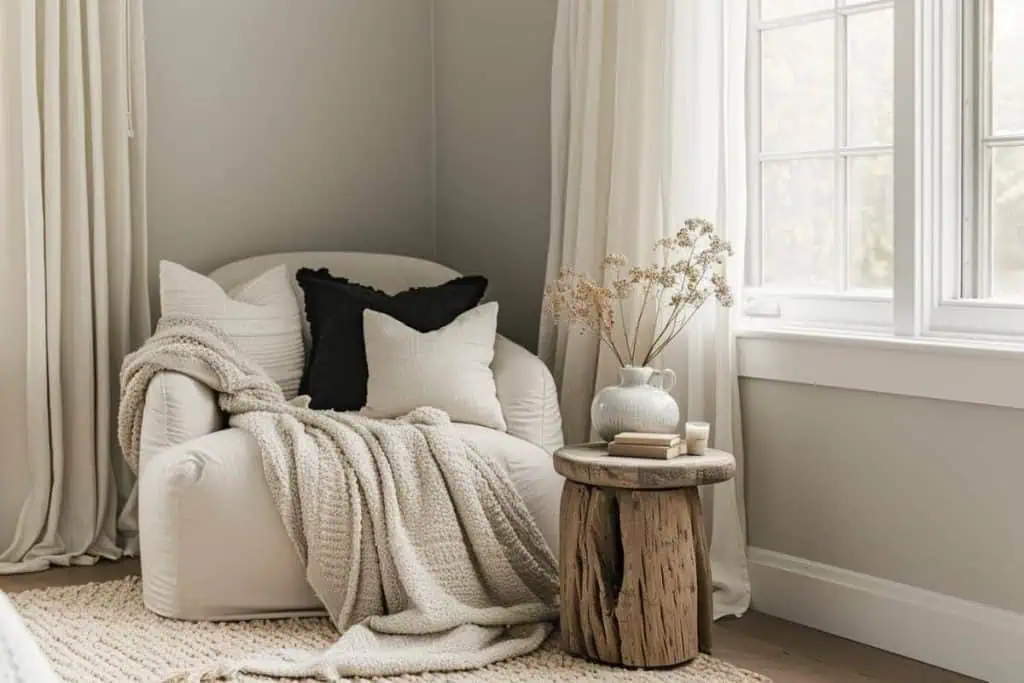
<point x="640" y="402"/>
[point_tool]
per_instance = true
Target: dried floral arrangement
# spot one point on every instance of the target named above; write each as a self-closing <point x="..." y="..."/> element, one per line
<point x="687" y="273"/>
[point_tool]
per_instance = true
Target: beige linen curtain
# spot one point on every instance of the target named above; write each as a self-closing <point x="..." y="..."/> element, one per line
<point x="73" y="295"/>
<point x="648" y="129"/>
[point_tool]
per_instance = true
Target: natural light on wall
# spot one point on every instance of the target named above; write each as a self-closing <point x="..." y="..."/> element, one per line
<point x="887" y="181"/>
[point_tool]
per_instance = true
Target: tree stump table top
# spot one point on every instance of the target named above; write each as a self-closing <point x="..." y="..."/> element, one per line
<point x="591" y="464"/>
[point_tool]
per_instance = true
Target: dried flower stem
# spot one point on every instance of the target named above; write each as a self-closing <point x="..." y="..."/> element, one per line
<point x="639" y="318"/>
<point x="681" y="286"/>
<point x="651" y="353"/>
<point x="655" y="347"/>
<point x="668" y="340"/>
<point x="611" y="345"/>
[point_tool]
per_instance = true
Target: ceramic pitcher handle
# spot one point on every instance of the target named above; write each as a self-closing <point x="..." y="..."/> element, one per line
<point x="671" y="375"/>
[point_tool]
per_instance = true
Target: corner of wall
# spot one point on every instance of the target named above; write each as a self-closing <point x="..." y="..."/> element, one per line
<point x="433" y="131"/>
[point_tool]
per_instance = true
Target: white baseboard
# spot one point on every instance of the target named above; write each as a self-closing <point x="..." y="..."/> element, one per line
<point x="967" y="637"/>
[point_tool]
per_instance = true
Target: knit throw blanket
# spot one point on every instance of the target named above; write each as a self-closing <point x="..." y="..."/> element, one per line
<point x="419" y="547"/>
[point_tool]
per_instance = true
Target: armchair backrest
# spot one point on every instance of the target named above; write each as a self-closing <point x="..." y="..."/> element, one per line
<point x="387" y="272"/>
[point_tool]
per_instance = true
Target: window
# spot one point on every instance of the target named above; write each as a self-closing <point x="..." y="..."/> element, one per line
<point x="887" y="183"/>
<point x="998" y="137"/>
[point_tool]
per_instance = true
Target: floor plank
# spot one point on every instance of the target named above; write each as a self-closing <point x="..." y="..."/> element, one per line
<point x="791" y="653"/>
<point x="783" y="651"/>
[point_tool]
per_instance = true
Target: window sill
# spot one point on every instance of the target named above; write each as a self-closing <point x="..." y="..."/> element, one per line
<point x="967" y="371"/>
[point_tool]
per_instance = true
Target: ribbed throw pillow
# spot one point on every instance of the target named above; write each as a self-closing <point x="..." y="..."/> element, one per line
<point x="261" y="316"/>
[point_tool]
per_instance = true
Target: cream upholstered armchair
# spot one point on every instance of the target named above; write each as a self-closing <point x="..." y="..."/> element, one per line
<point x="211" y="542"/>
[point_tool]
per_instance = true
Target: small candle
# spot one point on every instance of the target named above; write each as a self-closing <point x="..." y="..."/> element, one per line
<point x="697" y="435"/>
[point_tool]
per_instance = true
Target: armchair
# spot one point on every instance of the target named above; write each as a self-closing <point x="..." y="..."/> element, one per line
<point x="211" y="544"/>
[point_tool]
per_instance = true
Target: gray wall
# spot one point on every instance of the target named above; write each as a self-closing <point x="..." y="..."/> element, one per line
<point x="913" y="490"/>
<point x="283" y="126"/>
<point x="279" y="126"/>
<point x="493" y="75"/>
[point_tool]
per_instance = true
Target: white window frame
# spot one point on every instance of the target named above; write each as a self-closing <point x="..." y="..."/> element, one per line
<point x="939" y="203"/>
<point x="866" y="310"/>
<point x="967" y="274"/>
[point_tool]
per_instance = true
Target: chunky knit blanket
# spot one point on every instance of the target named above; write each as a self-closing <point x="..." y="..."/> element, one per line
<point x="423" y="553"/>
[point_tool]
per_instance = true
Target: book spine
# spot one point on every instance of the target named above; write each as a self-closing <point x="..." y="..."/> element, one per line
<point x="644" y="452"/>
<point x="665" y="440"/>
<point x="648" y="443"/>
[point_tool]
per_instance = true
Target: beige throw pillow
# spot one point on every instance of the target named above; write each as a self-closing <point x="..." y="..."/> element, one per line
<point x="449" y="368"/>
<point x="261" y="316"/>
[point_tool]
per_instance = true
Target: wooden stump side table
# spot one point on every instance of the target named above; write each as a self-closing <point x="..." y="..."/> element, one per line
<point x="634" y="568"/>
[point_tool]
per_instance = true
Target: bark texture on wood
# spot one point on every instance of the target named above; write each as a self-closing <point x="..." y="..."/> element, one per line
<point x="705" y="588"/>
<point x="629" y="579"/>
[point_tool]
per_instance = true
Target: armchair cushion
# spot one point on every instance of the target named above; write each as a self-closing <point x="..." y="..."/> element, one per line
<point x="214" y="547"/>
<point x="528" y="396"/>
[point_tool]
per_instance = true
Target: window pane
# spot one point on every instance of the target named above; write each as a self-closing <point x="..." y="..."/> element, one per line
<point x="776" y="9"/>
<point x="870" y="262"/>
<point x="798" y="88"/>
<point x="1008" y="222"/>
<point x="1007" y="66"/>
<point x="799" y="224"/>
<point x="870" y="69"/>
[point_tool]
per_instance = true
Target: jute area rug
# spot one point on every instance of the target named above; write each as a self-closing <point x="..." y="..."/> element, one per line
<point x="102" y="633"/>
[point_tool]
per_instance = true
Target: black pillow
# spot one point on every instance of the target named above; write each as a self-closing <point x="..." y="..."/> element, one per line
<point x="335" y="374"/>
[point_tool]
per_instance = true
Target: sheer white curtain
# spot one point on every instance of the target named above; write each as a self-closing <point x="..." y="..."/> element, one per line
<point x="648" y="128"/>
<point x="72" y="271"/>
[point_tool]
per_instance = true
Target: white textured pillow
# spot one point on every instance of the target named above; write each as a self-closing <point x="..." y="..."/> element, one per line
<point x="261" y="316"/>
<point x="449" y="368"/>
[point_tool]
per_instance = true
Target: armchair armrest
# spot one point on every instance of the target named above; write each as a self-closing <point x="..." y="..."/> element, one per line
<point x="527" y="395"/>
<point x="212" y="542"/>
<point x="178" y="408"/>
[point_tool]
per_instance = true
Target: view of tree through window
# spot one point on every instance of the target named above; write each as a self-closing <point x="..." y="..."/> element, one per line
<point x="826" y="171"/>
<point x="825" y="177"/>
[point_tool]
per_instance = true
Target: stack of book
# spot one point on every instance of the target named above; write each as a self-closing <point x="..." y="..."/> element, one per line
<point x="644" y="445"/>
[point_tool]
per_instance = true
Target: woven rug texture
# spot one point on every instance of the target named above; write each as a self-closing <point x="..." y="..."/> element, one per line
<point x="102" y="633"/>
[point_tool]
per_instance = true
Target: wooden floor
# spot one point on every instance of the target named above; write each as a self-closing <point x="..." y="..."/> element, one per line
<point x="783" y="651"/>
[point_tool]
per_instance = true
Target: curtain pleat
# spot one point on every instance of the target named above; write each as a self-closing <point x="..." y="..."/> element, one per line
<point x="71" y="184"/>
<point x="648" y="129"/>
